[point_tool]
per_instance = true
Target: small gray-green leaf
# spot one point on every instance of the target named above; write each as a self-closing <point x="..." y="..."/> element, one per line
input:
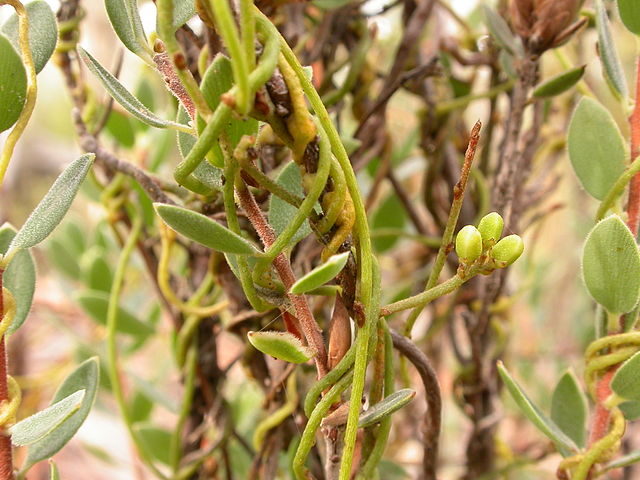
<point x="33" y="428"/>
<point x="385" y="407"/>
<point x="630" y="14"/>
<point x="321" y="274"/>
<point x="500" y="31"/>
<point x="625" y="383"/>
<point x="596" y="148"/>
<point x="611" y="66"/>
<point x="125" y="18"/>
<point x="569" y="408"/>
<point x="560" y="83"/>
<point x="282" y="345"/>
<point x="43" y="32"/>
<point x="533" y="413"/>
<point x="95" y="303"/>
<point x="19" y="278"/>
<point x="156" y="441"/>
<point x="281" y="212"/>
<point x="203" y="230"/>
<point x="123" y="96"/>
<point x="13" y="84"/>
<point x="53" y="207"/>
<point x="85" y="377"/>
<point x="610" y="265"/>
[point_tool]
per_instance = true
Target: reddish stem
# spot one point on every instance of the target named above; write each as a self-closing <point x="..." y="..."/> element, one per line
<point x="6" y="460"/>
<point x="633" y="208"/>
<point x="602" y="416"/>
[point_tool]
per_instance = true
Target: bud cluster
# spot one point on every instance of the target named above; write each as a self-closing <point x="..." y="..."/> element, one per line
<point x="483" y="246"/>
<point x="544" y="24"/>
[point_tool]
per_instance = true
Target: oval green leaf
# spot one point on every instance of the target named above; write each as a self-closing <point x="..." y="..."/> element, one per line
<point x="543" y="423"/>
<point x="203" y="230"/>
<point x="43" y="32"/>
<point x="630" y="14"/>
<point x="611" y="66"/>
<point x="95" y="304"/>
<point x="391" y="214"/>
<point x="96" y="271"/>
<point x="33" y="428"/>
<point x="125" y="18"/>
<point x="610" y="265"/>
<point x="53" y="207"/>
<point x="13" y="84"/>
<point x="85" y="377"/>
<point x="282" y="345"/>
<point x="19" y="277"/>
<point x="321" y="274"/>
<point x="625" y="382"/>
<point x="569" y="408"/>
<point x="596" y="148"/>
<point x="385" y="407"/>
<point x="560" y="83"/>
<point x="123" y="96"/>
<point x="155" y="441"/>
<point x="281" y="212"/>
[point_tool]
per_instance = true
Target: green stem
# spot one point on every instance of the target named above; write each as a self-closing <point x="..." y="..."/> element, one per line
<point x="422" y="299"/>
<point x="32" y="87"/>
<point x="112" y="349"/>
<point x="462" y="102"/>
<point x="308" y="438"/>
<point x="248" y="32"/>
<point x="187" y="399"/>
<point x="616" y="190"/>
<point x="231" y="37"/>
<point x="447" y="236"/>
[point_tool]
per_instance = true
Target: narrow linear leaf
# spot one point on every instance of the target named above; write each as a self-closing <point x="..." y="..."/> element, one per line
<point x="611" y="65"/>
<point x="533" y="413"/>
<point x="596" y="148"/>
<point x="321" y="274"/>
<point x="95" y="304"/>
<point x="500" y="31"/>
<point x="624" y="461"/>
<point x="203" y="230"/>
<point x="124" y="16"/>
<point x="569" y="408"/>
<point x="282" y="345"/>
<point x="121" y="95"/>
<point x="43" y="32"/>
<point x="13" y="84"/>
<point x="19" y="277"/>
<point x="388" y="405"/>
<point x="610" y="265"/>
<point x="33" y="428"/>
<point x="625" y="382"/>
<point x="560" y="83"/>
<point x="156" y="441"/>
<point x="630" y="14"/>
<point x="53" y="207"/>
<point x="84" y="377"/>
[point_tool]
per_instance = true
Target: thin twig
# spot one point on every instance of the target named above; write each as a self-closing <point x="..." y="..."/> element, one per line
<point x="432" y="421"/>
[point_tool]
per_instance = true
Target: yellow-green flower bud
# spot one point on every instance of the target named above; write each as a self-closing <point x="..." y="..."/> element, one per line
<point x="490" y="227"/>
<point x="507" y="250"/>
<point x="469" y="244"/>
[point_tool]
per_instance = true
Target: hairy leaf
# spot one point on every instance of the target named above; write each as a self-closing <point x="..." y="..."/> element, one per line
<point x="13" y="84"/>
<point x="321" y="274"/>
<point x="388" y="405"/>
<point x="282" y="345"/>
<point x="611" y="66"/>
<point x="610" y="265"/>
<point x="560" y="83"/>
